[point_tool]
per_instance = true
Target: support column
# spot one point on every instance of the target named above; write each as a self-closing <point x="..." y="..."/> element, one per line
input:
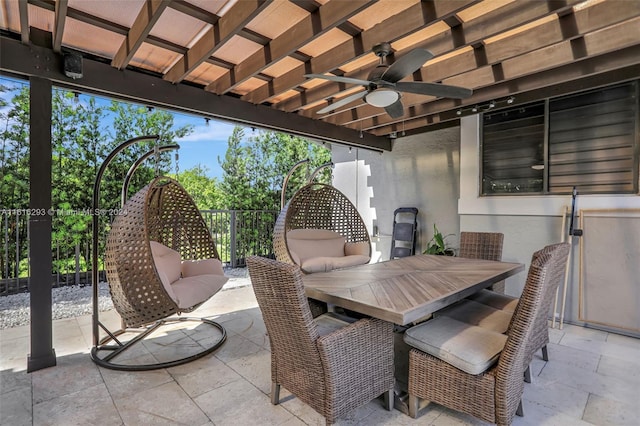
<point x="42" y="353"/>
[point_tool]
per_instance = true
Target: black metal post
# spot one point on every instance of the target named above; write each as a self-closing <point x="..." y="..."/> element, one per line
<point x="42" y="354"/>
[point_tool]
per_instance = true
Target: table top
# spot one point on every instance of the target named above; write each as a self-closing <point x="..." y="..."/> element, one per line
<point x="406" y="289"/>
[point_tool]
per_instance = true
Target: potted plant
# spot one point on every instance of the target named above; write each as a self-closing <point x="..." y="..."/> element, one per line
<point x="438" y="245"/>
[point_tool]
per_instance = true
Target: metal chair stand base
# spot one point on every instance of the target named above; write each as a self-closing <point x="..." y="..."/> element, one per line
<point x="110" y="347"/>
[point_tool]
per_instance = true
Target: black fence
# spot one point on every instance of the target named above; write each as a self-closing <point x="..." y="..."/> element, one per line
<point x="237" y="233"/>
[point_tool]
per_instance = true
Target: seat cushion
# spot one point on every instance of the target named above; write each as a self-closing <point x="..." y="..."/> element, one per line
<point x="361" y="248"/>
<point x="328" y="323"/>
<point x="326" y="264"/>
<point x="192" y="268"/>
<point x="308" y="243"/>
<point x="166" y="260"/>
<point x="469" y="348"/>
<point x="475" y="313"/>
<point x="192" y="291"/>
<point x="495" y="300"/>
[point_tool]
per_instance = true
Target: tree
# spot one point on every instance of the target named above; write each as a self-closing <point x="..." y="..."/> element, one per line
<point x="203" y="189"/>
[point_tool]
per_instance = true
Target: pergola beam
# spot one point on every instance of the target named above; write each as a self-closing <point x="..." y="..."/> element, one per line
<point x="101" y="78"/>
<point x="391" y="29"/>
<point x="318" y="22"/>
<point x="473" y="32"/>
<point x="59" y="20"/>
<point x="146" y="19"/>
<point x="227" y="26"/>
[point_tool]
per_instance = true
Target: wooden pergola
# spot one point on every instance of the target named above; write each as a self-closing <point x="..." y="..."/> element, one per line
<point x="245" y="61"/>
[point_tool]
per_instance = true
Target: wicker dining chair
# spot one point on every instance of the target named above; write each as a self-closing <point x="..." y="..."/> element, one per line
<point x="332" y="365"/>
<point x="493" y="395"/>
<point x="483" y="245"/>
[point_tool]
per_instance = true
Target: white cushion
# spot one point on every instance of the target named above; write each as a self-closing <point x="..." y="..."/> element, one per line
<point x="167" y="285"/>
<point x="192" y="268"/>
<point x="308" y="243"/>
<point x="469" y="348"/>
<point x="495" y="300"/>
<point x="475" y="313"/>
<point x="166" y="260"/>
<point x="326" y="264"/>
<point x="361" y="248"/>
<point x="192" y="291"/>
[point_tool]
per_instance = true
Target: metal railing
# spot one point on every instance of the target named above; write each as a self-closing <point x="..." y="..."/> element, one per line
<point x="237" y="233"/>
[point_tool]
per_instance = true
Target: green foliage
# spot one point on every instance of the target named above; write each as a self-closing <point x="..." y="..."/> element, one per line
<point x="203" y="189"/>
<point x="438" y="244"/>
<point x="254" y="169"/>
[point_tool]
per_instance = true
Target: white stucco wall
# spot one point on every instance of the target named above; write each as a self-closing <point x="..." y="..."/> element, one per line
<point x="421" y="171"/>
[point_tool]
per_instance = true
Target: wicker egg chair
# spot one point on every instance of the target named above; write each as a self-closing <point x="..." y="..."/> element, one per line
<point x="162" y="212"/>
<point x="318" y="206"/>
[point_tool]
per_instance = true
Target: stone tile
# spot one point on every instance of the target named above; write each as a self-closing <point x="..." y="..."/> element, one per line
<point x="14" y="353"/>
<point x="557" y="396"/>
<point x="125" y="383"/>
<point x="240" y="403"/>
<point x="24" y="331"/>
<point x="71" y="374"/>
<point x="631" y="342"/>
<point x="601" y="347"/>
<point x="166" y="404"/>
<point x="592" y="382"/>
<point x="450" y="417"/>
<point x="203" y="375"/>
<point x="256" y="368"/>
<point x="555" y="335"/>
<point x="541" y="415"/>
<point x="65" y="328"/>
<point x="380" y="416"/>
<point x="571" y="356"/>
<point x="90" y="405"/>
<point x="586" y="333"/>
<point x="622" y="369"/>
<point x="12" y="380"/>
<point x="236" y="347"/>
<point x="16" y="406"/>
<point x="604" y="411"/>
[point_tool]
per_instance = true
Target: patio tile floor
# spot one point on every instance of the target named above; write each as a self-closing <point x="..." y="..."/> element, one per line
<point x="592" y="378"/>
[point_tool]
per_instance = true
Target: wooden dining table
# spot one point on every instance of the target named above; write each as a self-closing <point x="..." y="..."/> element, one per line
<point x="408" y="289"/>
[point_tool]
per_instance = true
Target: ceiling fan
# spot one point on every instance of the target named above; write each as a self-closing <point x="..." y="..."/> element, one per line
<point x="383" y="87"/>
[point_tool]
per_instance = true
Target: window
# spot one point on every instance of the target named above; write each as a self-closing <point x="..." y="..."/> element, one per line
<point x="588" y="140"/>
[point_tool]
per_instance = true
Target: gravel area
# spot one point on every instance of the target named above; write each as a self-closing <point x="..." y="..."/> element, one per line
<point x="73" y="301"/>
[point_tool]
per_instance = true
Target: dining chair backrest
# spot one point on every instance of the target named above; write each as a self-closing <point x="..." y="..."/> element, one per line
<point x="529" y="313"/>
<point x="481" y="245"/>
<point x="292" y="331"/>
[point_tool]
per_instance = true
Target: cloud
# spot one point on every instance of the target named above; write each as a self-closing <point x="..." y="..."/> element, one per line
<point x="215" y="131"/>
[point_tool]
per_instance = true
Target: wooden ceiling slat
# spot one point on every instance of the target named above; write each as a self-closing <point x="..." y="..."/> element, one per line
<point x="58" y="30"/>
<point x="510" y="49"/>
<point x="391" y="29"/>
<point x="538" y="75"/>
<point x="318" y="22"/>
<point x="444" y="42"/>
<point x="146" y="19"/>
<point x="194" y="11"/>
<point x="227" y="26"/>
<point x="621" y="65"/>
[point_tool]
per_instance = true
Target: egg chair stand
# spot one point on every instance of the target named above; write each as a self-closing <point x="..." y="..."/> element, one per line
<point x="163" y="212"/>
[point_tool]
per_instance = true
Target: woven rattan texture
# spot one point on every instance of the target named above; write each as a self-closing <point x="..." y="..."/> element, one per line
<point x="334" y="373"/>
<point x="318" y="206"/>
<point x="483" y="245"/>
<point x="494" y="395"/>
<point x="161" y="211"/>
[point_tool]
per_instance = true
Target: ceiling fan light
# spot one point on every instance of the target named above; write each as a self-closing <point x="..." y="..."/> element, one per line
<point x="382" y="97"/>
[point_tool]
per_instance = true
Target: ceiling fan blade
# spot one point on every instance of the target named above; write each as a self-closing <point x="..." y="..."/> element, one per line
<point x="339" y="79"/>
<point x="406" y="65"/>
<point x="342" y="102"/>
<point x="395" y="110"/>
<point x="433" y="89"/>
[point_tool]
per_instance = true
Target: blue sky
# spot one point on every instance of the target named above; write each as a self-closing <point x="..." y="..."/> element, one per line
<point x="202" y="147"/>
